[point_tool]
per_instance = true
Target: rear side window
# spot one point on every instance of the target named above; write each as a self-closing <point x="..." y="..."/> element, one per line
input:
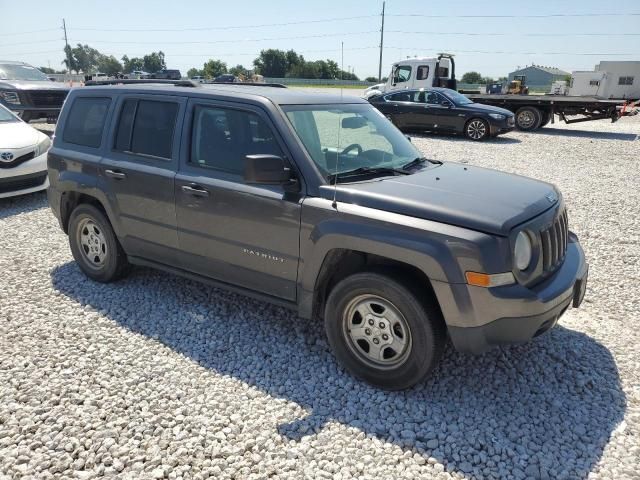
<point x="423" y="72"/>
<point x="222" y="137"/>
<point x="85" y="122"/>
<point x="146" y="127"/>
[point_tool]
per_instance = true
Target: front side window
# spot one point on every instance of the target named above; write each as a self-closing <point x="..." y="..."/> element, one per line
<point x="85" y="122"/>
<point x="625" y="81"/>
<point x="146" y="127"/>
<point x="221" y="138"/>
<point x="455" y="97"/>
<point x="402" y="74"/>
<point x="341" y="138"/>
<point x="423" y="72"/>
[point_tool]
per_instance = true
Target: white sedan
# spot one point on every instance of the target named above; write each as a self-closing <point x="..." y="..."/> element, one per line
<point x="23" y="156"/>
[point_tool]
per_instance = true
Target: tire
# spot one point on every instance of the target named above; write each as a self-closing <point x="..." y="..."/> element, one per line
<point x="414" y="338"/>
<point x="528" y="118"/>
<point x="546" y="118"/>
<point x="94" y="245"/>
<point x="477" y="129"/>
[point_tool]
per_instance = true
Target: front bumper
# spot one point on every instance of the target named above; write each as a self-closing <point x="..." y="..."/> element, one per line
<point x="27" y="177"/>
<point x="498" y="127"/>
<point x="480" y="318"/>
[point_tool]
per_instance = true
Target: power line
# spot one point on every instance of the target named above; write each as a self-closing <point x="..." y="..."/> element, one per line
<point x="519" y="34"/>
<point x="195" y="29"/>
<point x="29" y="32"/>
<point x="551" y="15"/>
<point x="494" y="52"/>
<point x="235" y="40"/>
<point x="31" y="43"/>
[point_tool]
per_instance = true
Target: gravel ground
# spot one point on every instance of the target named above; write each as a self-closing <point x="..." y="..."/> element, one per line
<point x="160" y="377"/>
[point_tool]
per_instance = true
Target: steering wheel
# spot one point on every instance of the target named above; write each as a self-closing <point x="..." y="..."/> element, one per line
<point x="351" y="147"/>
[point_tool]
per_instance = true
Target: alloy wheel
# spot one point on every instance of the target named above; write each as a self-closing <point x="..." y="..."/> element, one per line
<point x="476" y="129"/>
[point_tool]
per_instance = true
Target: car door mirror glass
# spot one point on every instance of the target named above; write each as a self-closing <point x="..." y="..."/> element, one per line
<point x="266" y="169"/>
<point x="446" y="103"/>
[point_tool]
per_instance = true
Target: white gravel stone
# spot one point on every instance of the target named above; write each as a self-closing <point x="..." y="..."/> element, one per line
<point x="160" y="377"/>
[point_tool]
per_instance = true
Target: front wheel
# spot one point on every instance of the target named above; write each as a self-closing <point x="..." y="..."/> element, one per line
<point x="477" y="129"/>
<point x="94" y="245"/>
<point x="381" y="332"/>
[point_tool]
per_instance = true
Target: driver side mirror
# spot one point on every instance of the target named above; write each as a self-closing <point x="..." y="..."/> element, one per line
<point x="266" y="170"/>
<point x="446" y="103"/>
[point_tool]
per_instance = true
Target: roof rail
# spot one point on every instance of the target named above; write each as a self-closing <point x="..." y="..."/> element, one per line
<point x="130" y="81"/>
<point x="248" y="84"/>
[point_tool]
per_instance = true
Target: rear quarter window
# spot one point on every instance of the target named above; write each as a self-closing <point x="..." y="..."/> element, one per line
<point x="86" y="120"/>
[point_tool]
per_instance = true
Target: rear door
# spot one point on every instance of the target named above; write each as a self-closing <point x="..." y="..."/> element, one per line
<point x="398" y="108"/>
<point x="138" y="173"/>
<point x="245" y="235"/>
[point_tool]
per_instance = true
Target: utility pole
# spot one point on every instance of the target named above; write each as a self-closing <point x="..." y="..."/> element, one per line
<point x="381" y="45"/>
<point x="67" y="51"/>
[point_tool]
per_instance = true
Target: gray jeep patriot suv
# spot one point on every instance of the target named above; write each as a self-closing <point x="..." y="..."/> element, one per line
<point x="318" y="203"/>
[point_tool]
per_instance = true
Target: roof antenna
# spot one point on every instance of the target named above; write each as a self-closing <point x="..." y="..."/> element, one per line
<point x="334" y="204"/>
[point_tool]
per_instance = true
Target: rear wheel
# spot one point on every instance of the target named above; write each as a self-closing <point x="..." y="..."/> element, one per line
<point x="94" y="245"/>
<point x="477" y="129"/>
<point x="546" y="118"/>
<point x="381" y="332"/>
<point x="528" y="118"/>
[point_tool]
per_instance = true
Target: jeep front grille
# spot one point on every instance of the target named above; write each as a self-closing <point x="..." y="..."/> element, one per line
<point x="554" y="242"/>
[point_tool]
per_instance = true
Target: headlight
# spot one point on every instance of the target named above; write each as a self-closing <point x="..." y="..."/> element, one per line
<point x="43" y="146"/>
<point x="522" y="251"/>
<point x="497" y="116"/>
<point x="10" y="97"/>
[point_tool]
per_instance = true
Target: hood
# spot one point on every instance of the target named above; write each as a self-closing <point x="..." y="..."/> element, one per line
<point x="479" y="107"/>
<point x="15" y="135"/>
<point x="32" y="85"/>
<point x="471" y="197"/>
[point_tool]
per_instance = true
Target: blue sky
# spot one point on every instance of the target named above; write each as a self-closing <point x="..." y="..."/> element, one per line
<point x="521" y="40"/>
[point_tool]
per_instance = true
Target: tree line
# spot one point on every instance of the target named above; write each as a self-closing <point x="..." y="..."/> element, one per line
<point x="477" y="78"/>
<point x="276" y="63"/>
<point x="271" y="62"/>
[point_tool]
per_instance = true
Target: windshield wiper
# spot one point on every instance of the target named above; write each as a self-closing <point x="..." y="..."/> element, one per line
<point x="419" y="161"/>
<point x="366" y="171"/>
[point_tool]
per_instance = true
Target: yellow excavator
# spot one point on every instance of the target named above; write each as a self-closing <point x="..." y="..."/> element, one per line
<point x="518" y="86"/>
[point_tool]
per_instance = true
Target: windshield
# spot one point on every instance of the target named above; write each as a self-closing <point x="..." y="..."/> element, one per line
<point x="457" y="98"/>
<point x="345" y="137"/>
<point x="7" y="116"/>
<point x="9" y="71"/>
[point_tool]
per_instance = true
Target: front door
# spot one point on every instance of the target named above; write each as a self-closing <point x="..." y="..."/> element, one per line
<point x="443" y="113"/>
<point x="138" y="171"/>
<point x="244" y="235"/>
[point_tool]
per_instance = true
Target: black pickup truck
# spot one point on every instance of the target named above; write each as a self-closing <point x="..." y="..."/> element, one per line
<point x="317" y="203"/>
<point x="29" y="92"/>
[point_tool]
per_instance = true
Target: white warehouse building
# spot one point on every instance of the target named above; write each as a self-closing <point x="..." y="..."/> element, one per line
<point x="620" y="80"/>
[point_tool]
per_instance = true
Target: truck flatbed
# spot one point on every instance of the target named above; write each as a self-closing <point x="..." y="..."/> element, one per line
<point x="535" y="111"/>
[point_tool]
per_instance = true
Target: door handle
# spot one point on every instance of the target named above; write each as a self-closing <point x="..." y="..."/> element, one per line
<point x="195" y="190"/>
<point x="115" y="174"/>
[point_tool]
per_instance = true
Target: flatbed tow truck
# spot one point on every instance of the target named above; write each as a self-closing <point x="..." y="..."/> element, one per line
<point x="531" y="111"/>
